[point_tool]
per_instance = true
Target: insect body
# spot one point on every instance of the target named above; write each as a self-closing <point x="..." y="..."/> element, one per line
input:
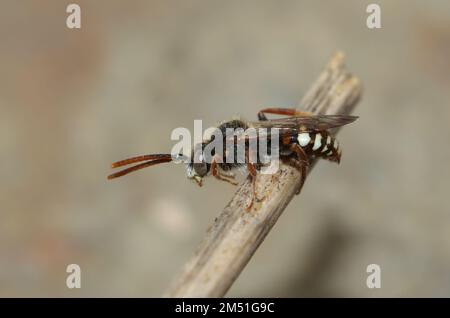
<point x="301" y="137"/>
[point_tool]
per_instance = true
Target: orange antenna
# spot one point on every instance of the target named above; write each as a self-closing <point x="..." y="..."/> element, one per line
<point x="150" y="160"/>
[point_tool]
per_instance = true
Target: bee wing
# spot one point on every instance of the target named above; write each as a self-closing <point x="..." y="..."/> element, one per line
<point x="306" y="123"/>
<point x="294" y="125"/>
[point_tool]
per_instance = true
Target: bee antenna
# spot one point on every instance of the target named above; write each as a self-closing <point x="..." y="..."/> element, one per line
<point x="139" y="159"/>
<point x="150" y="160"/>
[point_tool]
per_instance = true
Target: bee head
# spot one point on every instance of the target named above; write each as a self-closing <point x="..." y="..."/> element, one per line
<point x="197" y="168"/>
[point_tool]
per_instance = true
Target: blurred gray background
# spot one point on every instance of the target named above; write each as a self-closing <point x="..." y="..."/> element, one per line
<point x="73" y="101"/>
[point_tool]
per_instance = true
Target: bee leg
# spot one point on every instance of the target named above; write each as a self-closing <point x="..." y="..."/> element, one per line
<point x="252" y="173"/>
<point x="199" y="182"/>
<point x="281" y="111"/>
<point x="301" y="163"/>
<point x="216" y="173"/>
<point x="228" y="174"/>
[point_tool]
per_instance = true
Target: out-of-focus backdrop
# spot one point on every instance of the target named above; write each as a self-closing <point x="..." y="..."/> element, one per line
<point x="73" y="101"/>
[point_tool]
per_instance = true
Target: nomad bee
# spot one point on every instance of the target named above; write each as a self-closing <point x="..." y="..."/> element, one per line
<point x="300" y="136"/>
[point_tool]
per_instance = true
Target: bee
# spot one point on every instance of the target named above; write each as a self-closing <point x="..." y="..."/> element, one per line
<point x="301" y="137"/>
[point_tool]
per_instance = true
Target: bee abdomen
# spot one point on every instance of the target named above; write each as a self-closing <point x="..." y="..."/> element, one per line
<point x="320" y="144"/>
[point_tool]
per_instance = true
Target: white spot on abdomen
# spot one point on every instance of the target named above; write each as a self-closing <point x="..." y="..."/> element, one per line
<point x="303" y="139"/>
<point x="325" y="149"/>
<point x="317" y="142"/>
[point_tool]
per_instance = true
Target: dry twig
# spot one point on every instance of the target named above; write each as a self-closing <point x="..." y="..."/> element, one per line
<point x="236" y="233"/>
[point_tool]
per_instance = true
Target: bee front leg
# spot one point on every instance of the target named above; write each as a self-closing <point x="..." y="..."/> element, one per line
<point x="216" y="173"/>
<point x="228" y="174"/>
